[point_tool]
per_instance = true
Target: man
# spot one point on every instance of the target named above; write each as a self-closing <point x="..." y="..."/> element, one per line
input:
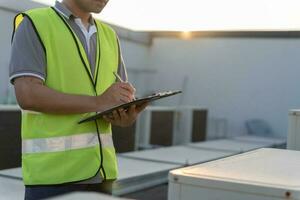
<point x="62" y="66"/>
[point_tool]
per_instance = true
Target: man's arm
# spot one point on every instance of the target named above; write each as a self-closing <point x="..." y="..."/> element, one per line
<point x="33" y="95"/>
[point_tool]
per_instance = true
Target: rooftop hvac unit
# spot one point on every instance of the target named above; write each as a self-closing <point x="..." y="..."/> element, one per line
<point x="167" y="126"/>
<point x="124" y="138"/>
<point x="191" y="125"/>
<point x="155" y="126"/>
<point x="264" y="174"/>
<point x="10" y="137"/>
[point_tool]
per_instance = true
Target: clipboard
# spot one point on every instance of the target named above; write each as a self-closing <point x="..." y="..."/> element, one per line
<point x="125" y="106"/>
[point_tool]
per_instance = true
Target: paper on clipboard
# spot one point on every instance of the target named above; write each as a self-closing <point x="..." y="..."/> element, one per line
<point x="125" y="106"/>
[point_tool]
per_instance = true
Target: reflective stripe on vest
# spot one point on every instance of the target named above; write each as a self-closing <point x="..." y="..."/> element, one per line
<point x="55" y="144"/>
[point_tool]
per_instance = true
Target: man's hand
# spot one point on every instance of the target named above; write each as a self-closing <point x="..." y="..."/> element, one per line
<point x="117" y="93"/>
<point x="125" y="118"/>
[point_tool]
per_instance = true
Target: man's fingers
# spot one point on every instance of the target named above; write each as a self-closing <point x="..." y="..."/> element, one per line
<point x="132" y="110"/>
<point x="123" y="114"/>
<point x="116" y="115"/>
<point x="141" y="107"/>
<point x="128" y="87"/>
<point x="107" y="119"/>
<point x="124" y="99"/>
<point x="128" y="96"/>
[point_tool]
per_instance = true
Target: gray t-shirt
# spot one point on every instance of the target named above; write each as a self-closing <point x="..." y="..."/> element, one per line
<point x="28" y="56"/>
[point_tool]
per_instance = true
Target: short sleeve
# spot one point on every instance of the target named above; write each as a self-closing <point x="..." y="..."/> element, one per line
<point x="27" y="54"/>
<point x="121" y="67"/>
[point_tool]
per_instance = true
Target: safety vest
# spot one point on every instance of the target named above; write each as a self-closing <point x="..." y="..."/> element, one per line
<point x="55" y="148"/>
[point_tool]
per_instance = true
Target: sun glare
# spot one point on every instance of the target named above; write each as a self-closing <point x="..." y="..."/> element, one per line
<point x="197" y="15"/>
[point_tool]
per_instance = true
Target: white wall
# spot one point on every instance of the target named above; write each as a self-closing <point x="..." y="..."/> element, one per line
<point x="236" y="79"/>
<point x="8" y="10"/>
<point x="136" y="58"/>
<point x="6" y="19"/>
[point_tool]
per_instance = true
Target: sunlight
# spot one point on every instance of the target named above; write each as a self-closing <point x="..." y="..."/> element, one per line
<point x="197" y="15"/>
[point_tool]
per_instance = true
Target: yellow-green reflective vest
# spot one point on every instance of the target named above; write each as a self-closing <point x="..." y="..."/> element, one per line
<point x="55" y="148"/>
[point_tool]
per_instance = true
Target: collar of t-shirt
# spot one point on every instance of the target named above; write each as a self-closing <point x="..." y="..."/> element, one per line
<point x="87" y="32"/>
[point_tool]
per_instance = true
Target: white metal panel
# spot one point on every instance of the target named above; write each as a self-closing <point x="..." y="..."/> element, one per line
<point x="13" y="172"/>
<point x="129" y="168"/>
<point x="174" y="191"/>
<point x="190" y="192"/>
<point x="178" y="155"/>
<point x="293" y="141"/>
<point x="261" y="174"/>
<point x="135" y="175"/>
<point x="259" y="139"/>
<point x="143" y="124"/>
<point x="11" y="184"/>
<point x="184" y="123"/>
<point x="142" y="133"/>
<point x="11" y="188"/>
<point x="229" y="145"/>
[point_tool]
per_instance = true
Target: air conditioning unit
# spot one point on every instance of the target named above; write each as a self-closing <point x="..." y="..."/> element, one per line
<point x="167" y="126"/>
<point x="155" y="127"/>
<point x="124" y="138"/>
<point x="191" y="125"/>
<point x="10" y="136"/>
<point x="264" y="174"/>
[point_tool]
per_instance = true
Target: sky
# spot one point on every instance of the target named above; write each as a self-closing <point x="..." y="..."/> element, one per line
<point x="199" y="15"/>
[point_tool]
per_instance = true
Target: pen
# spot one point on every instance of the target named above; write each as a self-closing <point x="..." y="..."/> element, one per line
<point x="118" y="77"/>
<point x="121" y="80"/>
